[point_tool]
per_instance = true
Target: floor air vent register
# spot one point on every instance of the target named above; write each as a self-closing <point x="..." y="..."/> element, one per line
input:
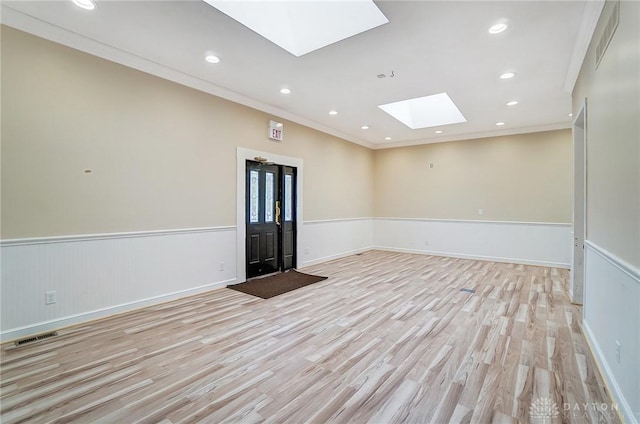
<point x="36" y="338"/>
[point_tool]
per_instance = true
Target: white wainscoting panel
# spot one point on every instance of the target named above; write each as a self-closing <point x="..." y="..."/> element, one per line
<point x="545" y="244"/>
<point x="612" y="314"/>
<point x="335" y="238"/>
<point x="99" y="275"/>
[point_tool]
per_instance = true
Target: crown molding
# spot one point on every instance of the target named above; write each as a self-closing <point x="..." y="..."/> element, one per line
<point x="590" y="17"/>
<point x="486" y="134"/>
<point x="39" y="28"/>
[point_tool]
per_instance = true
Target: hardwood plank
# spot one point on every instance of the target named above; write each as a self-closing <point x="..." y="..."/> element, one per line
<point x="388" y="338"/>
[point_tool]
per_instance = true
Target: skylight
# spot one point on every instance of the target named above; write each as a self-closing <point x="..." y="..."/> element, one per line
<point x="425" y="112"/>
<point x="301" y="27"/>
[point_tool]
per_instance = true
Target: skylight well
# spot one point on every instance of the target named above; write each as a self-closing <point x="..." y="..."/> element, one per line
<point x="301" y="27"/>
<point x="425" y="112"/>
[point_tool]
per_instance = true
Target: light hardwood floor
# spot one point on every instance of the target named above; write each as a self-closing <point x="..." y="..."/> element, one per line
<point x="388" y="338"/>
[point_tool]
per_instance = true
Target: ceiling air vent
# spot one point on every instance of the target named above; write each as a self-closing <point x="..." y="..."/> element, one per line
<point x="36" y="338"/>
<point x="607" y="34"/>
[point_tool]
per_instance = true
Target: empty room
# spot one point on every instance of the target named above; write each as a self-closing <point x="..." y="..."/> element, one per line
<point x="320" y="211"/>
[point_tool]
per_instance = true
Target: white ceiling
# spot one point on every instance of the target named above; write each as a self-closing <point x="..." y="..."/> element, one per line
<point x="430" y="46"/>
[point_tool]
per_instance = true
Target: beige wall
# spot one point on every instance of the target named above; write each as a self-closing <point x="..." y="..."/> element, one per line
<point x="613" y="136"/>
<point x="524" y="178"/>
<point x="162" y="155"/>
<point x="612" y="282"/>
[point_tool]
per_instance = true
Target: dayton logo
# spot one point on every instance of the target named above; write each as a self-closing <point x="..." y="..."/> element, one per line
<point x="543" y="411"/>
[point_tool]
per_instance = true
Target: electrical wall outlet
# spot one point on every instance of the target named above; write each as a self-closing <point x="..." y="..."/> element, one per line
<point x="50" y="297"/>
<point x="221" y="266"/>
<point x="618" y="351"/>
<point x="306" y="250"/>
<point x="480" y="211"/>
<point x="426" y="242"/>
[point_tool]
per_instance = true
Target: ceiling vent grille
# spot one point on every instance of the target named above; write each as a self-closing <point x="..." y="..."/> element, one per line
<point x="36" y="338"/>
<point x="607" y="34"/>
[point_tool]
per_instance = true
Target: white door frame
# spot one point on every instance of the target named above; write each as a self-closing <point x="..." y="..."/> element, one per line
<point x="242" y="156"/>
<point x="577" y="286"/>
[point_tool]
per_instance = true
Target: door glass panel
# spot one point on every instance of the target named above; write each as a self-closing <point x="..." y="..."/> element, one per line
<point x="253" y="191"/>
<point x="288" y="197"/>
<point x="268" y="197"/>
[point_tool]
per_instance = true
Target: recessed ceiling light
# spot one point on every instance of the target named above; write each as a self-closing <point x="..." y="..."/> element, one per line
<point x="507" y="75"/>
<point x="425" y="112"/>
<point x="497" y="28"/>
<point x="333" y="112"/>
<point x="211" y="58"/>
<point x="570" y="115"/>
<point x="285" y="91"/>
<point x="365" y="127"/>
<point x="512" y="103"/>
<point x="499" y="124"/>
<point x="438" y="131"/>
<point x="387" y="138"/>
<point x="85" y="4"/>
<point x="301" y="27"/>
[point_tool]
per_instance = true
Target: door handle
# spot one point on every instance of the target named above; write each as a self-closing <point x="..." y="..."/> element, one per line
<point x="278" y="212"/>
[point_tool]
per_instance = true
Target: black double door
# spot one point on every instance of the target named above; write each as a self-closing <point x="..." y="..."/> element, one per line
<point x="270" y="218"/>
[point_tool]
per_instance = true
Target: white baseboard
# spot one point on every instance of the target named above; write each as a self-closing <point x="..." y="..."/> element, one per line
<point x="475" y="257"/>
<point x="103" y="274"/>
<point x="98" y="275"/>
<point x="540" y="244"/>
<point x="612" y="317"/>
<point x="544" y="244"/>
<point x="605" y="369"/>
<point x="57" y="324"/>
<point x="336" y="256"/>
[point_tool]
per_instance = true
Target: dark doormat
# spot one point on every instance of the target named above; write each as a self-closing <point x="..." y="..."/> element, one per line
<point x="277" y="284"/>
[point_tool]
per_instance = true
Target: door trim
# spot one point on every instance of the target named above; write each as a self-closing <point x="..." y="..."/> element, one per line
<point x="242" y="155"/>
<point x="578" y="276"/>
